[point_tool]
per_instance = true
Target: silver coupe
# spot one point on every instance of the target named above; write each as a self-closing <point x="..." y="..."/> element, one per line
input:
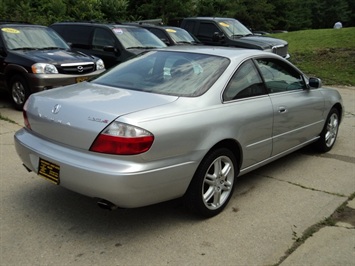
<point x="178" y="122"/>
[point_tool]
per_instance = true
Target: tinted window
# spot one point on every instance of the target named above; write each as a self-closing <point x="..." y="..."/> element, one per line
<point x="75" y="34"/>
<point x="246" y="82"/>
<point x="171" y="73"/>
<point x="102" y="38"/>
<point x="159" y="33"/>
<point x="207" y="30"/>
<point x="280" y="76"/>
<point x="189" y="25"/>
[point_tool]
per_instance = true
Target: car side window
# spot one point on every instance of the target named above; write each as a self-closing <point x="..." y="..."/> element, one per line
<point x="207" y="30"/>
<point x="246" y="82"/>
<point x="160" y="34"/>
<point x="78" y="36"/>
<point x="101" y="39"/>
<point x="279" y="76"/>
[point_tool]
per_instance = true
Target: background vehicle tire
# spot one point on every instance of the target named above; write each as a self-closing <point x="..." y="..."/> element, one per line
<point x="212" y="185"/>
<point x="19" y="91"/>
<point x="329" y="132"/>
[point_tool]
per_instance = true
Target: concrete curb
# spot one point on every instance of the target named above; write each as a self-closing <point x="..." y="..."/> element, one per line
<point x="331" y="245"/>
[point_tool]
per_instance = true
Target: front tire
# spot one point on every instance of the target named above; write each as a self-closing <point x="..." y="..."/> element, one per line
<point x="330" y="131"/>
<point x="19" y="91"/>
<point x="212" y="185"/>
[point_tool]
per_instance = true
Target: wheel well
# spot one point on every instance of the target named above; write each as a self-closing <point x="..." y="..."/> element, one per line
<point x="233" y="146"/>
<point x="340" y="110"/>
<point x="9" y="76"/>
<point x="12" y="71"/>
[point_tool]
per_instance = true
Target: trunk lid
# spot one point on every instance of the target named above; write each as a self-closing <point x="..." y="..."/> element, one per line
<point x="74" y="115"/>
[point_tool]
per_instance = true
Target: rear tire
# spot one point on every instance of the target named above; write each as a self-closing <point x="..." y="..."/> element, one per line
<point x="212" y="185"/>
<point x="19" y="91"/>
<point x="330" y="132"/>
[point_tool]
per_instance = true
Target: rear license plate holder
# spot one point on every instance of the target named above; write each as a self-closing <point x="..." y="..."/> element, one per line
<point x="49" y="171"/>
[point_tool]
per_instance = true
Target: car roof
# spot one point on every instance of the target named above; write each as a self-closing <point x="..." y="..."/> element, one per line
<point x="18" y="24"/>
<point x="229" y="52"/>
<point x="96" y="24"/>
<point x="211" y="18"/>
<point x="148" y="25"/>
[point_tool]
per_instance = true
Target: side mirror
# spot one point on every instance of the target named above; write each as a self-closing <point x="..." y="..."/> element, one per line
<point x="217" y="37"/>
<point x="111" y="49"/>
<point x="315" y="83"/>
<point x="166" y="41"/>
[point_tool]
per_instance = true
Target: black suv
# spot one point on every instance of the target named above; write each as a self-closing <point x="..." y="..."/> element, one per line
<point x="35" y="58"/>
<point x="230" y="32"/>
<point x="114" y="43"/>
<point x="169" y="35"/>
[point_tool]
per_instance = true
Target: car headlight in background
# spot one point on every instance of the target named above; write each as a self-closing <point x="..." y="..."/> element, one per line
<point x="268" y="50"/>
<point x="100" y="65"/>
<point x="43" y="68"/>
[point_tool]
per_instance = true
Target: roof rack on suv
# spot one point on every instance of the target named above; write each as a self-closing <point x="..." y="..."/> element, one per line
<point x="157" y="22"/>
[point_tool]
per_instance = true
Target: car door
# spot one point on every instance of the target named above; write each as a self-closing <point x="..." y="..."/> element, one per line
<point x="206" y="31"/>
<point x="298" y="110"/>
<point x="105" y="46"/>
<point x="247" y="99"/>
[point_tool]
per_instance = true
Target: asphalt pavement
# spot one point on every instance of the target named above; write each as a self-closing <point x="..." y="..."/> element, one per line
<point x="298" y="210"/>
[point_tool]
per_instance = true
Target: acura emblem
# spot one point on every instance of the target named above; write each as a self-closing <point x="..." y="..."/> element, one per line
<point x="56" y="109"/>
<point x="80" y="68"/>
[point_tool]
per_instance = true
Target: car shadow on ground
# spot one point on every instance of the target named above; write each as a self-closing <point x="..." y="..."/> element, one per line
<point x="5" y="100"/>
<point x="49" y="202"/>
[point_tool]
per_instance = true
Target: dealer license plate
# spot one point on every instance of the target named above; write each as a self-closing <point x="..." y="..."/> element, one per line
<point x="49" y="171"/>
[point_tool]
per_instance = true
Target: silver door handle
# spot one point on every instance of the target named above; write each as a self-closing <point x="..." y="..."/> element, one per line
<point x="282" y="109"/>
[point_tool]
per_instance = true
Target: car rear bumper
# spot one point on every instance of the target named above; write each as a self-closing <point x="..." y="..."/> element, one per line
<point x="39" y="82"/>
<point x="125" y="183"/>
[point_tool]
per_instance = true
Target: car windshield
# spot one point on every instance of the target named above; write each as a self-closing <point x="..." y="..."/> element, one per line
<point x="180" y="35"/>
<point x="233" y="28"/>
<point x="167" y="72"/>
<point x="132" y="38"/>
<point x="32" y="38"/>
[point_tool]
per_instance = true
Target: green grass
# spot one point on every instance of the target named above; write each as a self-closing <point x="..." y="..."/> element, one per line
<point x="328" y="54"/>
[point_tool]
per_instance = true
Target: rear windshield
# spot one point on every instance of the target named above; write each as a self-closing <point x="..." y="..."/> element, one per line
<point x="164" y="72"/>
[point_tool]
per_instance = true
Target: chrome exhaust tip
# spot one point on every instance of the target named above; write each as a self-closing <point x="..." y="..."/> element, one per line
<point x="106" y="205"/>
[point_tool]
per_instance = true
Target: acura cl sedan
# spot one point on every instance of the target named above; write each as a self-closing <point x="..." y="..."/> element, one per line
<point x="180" y="122"/>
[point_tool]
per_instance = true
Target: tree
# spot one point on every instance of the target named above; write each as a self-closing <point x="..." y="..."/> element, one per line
<point x="114" y="10"/>
<point x="258" y="14"/>
<point x="164" y="9"/>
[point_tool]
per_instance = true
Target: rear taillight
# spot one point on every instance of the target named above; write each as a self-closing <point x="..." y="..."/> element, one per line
<point x="25" y="118"/>
<point x="123" y="139"/>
